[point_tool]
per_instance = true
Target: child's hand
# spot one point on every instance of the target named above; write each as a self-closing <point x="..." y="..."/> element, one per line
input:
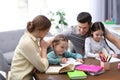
<point x="64" y="60"/>
<point x="114" y="55"/>
<point x="79" y="60"/>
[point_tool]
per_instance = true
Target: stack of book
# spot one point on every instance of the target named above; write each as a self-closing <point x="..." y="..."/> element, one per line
<point x="76" y="74"/>
<point x="90" y="69"/>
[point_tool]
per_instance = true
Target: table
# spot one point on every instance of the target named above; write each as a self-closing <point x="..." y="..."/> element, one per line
<point x="112" y="74"/>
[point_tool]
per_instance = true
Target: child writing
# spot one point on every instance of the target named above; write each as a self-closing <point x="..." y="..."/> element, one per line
<point x="60" y="53"/>
<point x="96" y="42"/>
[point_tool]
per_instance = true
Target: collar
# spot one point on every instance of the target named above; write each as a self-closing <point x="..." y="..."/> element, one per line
<point x="31" y="36"/>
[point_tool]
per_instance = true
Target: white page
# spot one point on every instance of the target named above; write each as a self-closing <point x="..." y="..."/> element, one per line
<point x="113" y="59"/>
<point x="53" y="69"/>
<point x="71" y="61"/>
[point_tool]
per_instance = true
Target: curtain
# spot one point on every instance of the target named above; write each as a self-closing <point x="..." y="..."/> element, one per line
<point x="112" y="10"/>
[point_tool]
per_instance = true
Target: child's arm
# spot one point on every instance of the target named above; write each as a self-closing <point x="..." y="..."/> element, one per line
<point x="63" y="60"/>
<point x="76" y="56"/>
<point x="88" y="52"/>
<point x="53" y="59"/>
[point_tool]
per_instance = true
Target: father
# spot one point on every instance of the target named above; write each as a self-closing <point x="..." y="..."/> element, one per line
<point x="77" y="34"/>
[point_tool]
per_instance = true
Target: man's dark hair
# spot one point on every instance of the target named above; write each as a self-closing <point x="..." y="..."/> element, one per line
<point x="84" y="17"/>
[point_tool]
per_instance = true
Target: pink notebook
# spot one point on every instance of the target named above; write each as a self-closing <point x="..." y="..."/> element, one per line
<point x="89" y="68"/>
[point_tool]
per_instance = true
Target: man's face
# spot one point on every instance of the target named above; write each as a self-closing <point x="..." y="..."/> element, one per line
<point x="83" y="28"/>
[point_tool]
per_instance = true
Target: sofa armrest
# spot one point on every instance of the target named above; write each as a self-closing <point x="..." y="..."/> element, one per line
<point x="3" y="64"/>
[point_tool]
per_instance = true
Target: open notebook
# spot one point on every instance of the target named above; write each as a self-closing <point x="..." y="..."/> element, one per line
<point x="60" y="69"/>
<point x="71" y="61"/>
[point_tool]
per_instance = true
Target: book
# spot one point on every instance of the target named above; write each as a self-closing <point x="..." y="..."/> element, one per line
<point x="93" y="74"/>
<point x="60" y="69"/>
<point x="76" y="74"/>
<point x="89" y="68"/>
<point x="71" y="61"/>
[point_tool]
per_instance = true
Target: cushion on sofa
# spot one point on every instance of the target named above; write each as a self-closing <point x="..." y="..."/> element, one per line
<point x="8" y="56"/>
<point x="9" y="40"/>
<point x="3" y="64"/>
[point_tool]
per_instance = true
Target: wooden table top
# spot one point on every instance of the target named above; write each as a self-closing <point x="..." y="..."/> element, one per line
<point x="112" y="74"/>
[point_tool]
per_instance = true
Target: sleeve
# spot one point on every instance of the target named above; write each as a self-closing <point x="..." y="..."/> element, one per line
<point x="32" y="54"/>
<point x="73" y="55"/>
<point x="53" y="59"/>
<point x="67" y="32"/>
<point x="88" y="49"/>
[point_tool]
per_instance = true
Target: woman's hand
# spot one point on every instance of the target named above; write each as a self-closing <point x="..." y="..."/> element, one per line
<point x="43" y="44"/>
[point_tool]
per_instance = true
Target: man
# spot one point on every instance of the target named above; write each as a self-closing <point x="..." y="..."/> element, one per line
<point x="77" y="34"/>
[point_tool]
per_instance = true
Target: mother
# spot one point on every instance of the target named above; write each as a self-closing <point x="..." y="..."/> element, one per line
<point x="31" y="50"/>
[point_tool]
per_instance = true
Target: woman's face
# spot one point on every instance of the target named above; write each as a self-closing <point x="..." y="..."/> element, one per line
<point x="43" y="33"/>
<point x="61" y="47"/>
<point x="97" y="35"/>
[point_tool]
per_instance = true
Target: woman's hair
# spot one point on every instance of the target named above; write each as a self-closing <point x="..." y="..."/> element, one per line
<point x="58" y="38"/>
<point x="98" y="26"/>
<point x="40" y="22"/>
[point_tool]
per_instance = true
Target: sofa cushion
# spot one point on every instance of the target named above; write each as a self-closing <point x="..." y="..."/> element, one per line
<point x="9" y="40"/>
<point x="8" y="56"/>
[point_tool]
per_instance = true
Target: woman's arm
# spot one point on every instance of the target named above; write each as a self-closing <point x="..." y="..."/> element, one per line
<point x="35" y="55"/>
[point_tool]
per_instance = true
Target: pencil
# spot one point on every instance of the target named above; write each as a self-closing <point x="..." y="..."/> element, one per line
<point x="109" y="58"/>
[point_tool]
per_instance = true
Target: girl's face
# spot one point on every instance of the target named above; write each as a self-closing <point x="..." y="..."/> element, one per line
<point x="61" y="47"/>
<point x="97" y="35"/>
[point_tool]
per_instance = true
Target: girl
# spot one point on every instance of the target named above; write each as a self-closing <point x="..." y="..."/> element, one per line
<point x="96" y="42"/>
<point x="60" y="53"/>
<point x="31" y="50"/>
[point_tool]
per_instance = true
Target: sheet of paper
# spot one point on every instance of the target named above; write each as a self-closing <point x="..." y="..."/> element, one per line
<point x="71" y="61"/>
<point x="114" y="60"/>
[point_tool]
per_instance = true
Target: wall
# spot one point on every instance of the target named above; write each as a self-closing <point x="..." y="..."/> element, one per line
<point x="11" y="18"/>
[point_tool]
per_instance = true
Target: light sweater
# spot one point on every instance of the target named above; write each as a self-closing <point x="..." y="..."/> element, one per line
<point x="92" y="47"/>
<point x="26" y="57"/>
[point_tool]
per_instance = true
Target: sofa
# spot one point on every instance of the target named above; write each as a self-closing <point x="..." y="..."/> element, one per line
<point x="8" y="42"/>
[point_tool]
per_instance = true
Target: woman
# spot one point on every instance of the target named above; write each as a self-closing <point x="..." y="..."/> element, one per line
<point x="31" y="50"/>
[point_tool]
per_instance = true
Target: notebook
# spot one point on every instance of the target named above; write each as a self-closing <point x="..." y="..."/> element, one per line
<point x="59" y="69"/>
<point x="89" y="68"/>
<point x="71" y="61"/>
<point x="76" y="74"/>
<point x="93" y="74"/>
